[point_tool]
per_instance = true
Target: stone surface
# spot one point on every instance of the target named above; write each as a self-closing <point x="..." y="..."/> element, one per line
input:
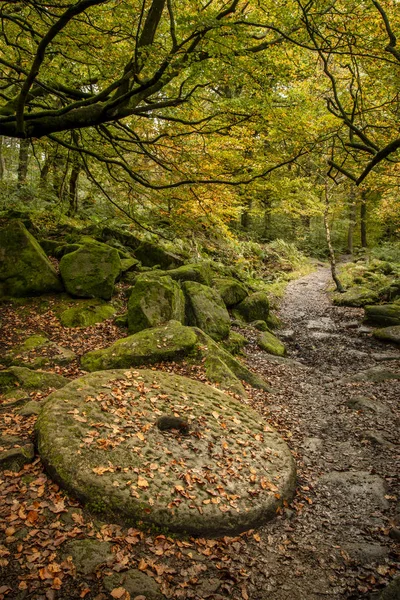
<point x="375" y="374"/>
<point x="383" y="314"/>
<point x="234" y="343"/>
<point x="151" y="255"/>
<point x="365" y="403"/>
<point x="202" y="483"/>
<point x="391" y="591"/>
<point x="356" y="296"/>
<point x="154" y="302"/>
<point x="388" y="334"/>
<point x="15" y="378"/>
<point x="218" y="372"/>
<point x="136" y="583"/>
<point x="231" y="291"/>
<point x="254" y="308"/>
<point x="91" y="271"/>
<point x="87" y="555"/>
<point x="14" y="454"/>
<point x="359" y="487"/>
<point x="24" y="267"/>
<point x="170" y="342"/>
<point x="270" y="343"/>
<point x="200" y="272"/>
<point x="29" y="409"/>
<point x="205" y="309"/>
<point x="85" y="313"/>
<point x="37" y="352"/>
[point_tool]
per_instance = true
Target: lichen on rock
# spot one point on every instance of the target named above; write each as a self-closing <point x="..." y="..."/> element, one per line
<point x="153" y="302"/>
<point x="206" y="309"/>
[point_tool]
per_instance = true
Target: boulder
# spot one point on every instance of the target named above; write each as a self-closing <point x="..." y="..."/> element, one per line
<point x="231" y="291"/>
<point x="170" y="342"/>
<point x="151" y="255"/>
<point x="356" y="296"/>
<point x="200" y="272"/>
<point x="24" y="267"/>
<point x="88" y="554"/>
<point x="158" y="477"/>
<point x="270" y="343"/>
<point x="16" y="378"/>
<point x="218" y="372"/>
<point x="206" y="309"/>
<point x="14" y="455"/>
<point x="91" y="271"/>
<point x="235" y="343"/>
<point x="136" y="583"/>
<point x="85" y="313"/>
<point x="383" y="314"/>
<point x="38" y="351"/>
<point x="388" y="334"/>
<point x="154" y="302"/>
<point x="254" y="308"/>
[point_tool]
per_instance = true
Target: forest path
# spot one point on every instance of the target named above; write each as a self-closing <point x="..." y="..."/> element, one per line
<point x="338" y="541"/>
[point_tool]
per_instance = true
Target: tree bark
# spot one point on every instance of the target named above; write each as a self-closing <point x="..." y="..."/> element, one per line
<point x="23" y="160"/>
<point x="363" y="219"/>
<point x="332" y="258"/>
<point x="73" y="187"/>
<point x="2" y="160"/>
<point x="352" y="221"/>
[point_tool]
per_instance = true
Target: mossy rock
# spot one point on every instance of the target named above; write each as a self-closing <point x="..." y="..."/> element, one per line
<point x="231" y="291"/>
<point x="37" y="352"/>
<point x="388" y="334"/>
<point x="273" y="321"/>
<point x="356" y="296"/>
<point x="375" y="375"/>
<point x="170" y="342"/>
<point x="383" y="314"/>
<point x="21" y="377"/>
<point x="154" y="302"/>
<point x="13" y="459"/>
<point x="230" y="473"/>
<point x="206" y="309"/>
<point x="234" y="343"/>
<point x="24" y="267"/>
<point x="260" y="325"/>
<point x="270" y="343"/>
<point x="254" y="308"/>
<point x="218" y="372"/>
<point x="199" y="272"/>
<point x="206" y="347"/>
<point x="128" y="264"/>
<point x="88" y="554"/>
<point x="122" y="321"/>
<point x="136" y="583"/>
<point x="91" y="271"/>
<point x="85" y="313"/>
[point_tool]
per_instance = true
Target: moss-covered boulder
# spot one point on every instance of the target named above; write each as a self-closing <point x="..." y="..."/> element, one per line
<point x="200" y="272"/>
<point x="15" y="378"/>
<point x="218" y="372"/>
<point x="170" y="342"/>
<point x="273" y="321"/>
<point x="254" y="308"/>
<point x="14" y="454"/>
<point x="388" y="334"/>
<point x="85" y="313"/>
<point x="24" y="267"/>
<point x="356" y="296"/>
<point x="260" y="325"/>
<point x="136" y="583"/>
<point x="88" y="554"/>
<point x="37" y="352"/>
<point x="228" y="472"/>
<point x="91" y="271"/>
<point x="383" y="314"/>
<point x="206" y="309"/>
<point x="270" y="343"/>
<point x="234" y="343"/>
<point x="231" y="291"/>
<point x="154" y="302"/>
<point x="206" y="348"/>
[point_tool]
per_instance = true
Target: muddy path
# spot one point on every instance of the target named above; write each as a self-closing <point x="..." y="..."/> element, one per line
<point x="339" y="538"/>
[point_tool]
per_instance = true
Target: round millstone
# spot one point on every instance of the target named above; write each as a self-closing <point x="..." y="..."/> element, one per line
<point x="98" y="437"/>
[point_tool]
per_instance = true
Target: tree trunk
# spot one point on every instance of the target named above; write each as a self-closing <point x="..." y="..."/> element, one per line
<point x="73" y="187"/>
<point x="2" y="161"/>
<point x="352" y="221"/>
<point x="23" y="161"/>
<point x="363" y="219"/>
<point x="332" y="259"/>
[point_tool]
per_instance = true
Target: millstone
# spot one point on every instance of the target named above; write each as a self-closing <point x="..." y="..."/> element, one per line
<point x="228" y="472"/>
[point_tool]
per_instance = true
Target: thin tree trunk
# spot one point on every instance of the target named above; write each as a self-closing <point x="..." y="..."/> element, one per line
<point x="73" y="187"/>
<point x="2" y="161"/>
<point x="352" y="221"/>
<point x="23" y="161"/>
<point x="332" y="259"/>
<point x="363" y="219"/>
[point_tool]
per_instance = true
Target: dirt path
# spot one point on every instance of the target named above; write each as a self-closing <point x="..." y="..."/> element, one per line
<point x="338" y="541"/>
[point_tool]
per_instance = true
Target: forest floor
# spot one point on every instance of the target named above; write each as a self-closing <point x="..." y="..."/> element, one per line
<point x="336" y="540"/>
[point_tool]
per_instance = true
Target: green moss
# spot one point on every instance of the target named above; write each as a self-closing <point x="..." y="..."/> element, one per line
<point x="218" y="372"/>
<point x="29" y="380"/>
<point x="356" y="296"/>
<point x="254" y="307"/>
<point x="205" y="309"/>
<point x="37" y="352"/>
<point x="153" y="302"/>
<point x="234" y="343"/>
<point x="85" y="313"/>
<point x="268" y="342"/>
<point x="91" y="271"/>
<point x="24" y="267"/>
<point x="231" y="291"/>
<point x="383" y="314"/>
<point x="171" y="342"/>
<point x="388" y="334"/>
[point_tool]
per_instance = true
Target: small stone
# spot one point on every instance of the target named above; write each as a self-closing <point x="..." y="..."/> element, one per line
<point x="29" y="409"/>
<point x="136" y="583"/>
<point x="87" y="555"/>
<point x="14" y="459"/>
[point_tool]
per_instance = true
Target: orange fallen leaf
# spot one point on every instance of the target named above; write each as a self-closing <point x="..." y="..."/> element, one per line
<point x="118" y="592"/>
